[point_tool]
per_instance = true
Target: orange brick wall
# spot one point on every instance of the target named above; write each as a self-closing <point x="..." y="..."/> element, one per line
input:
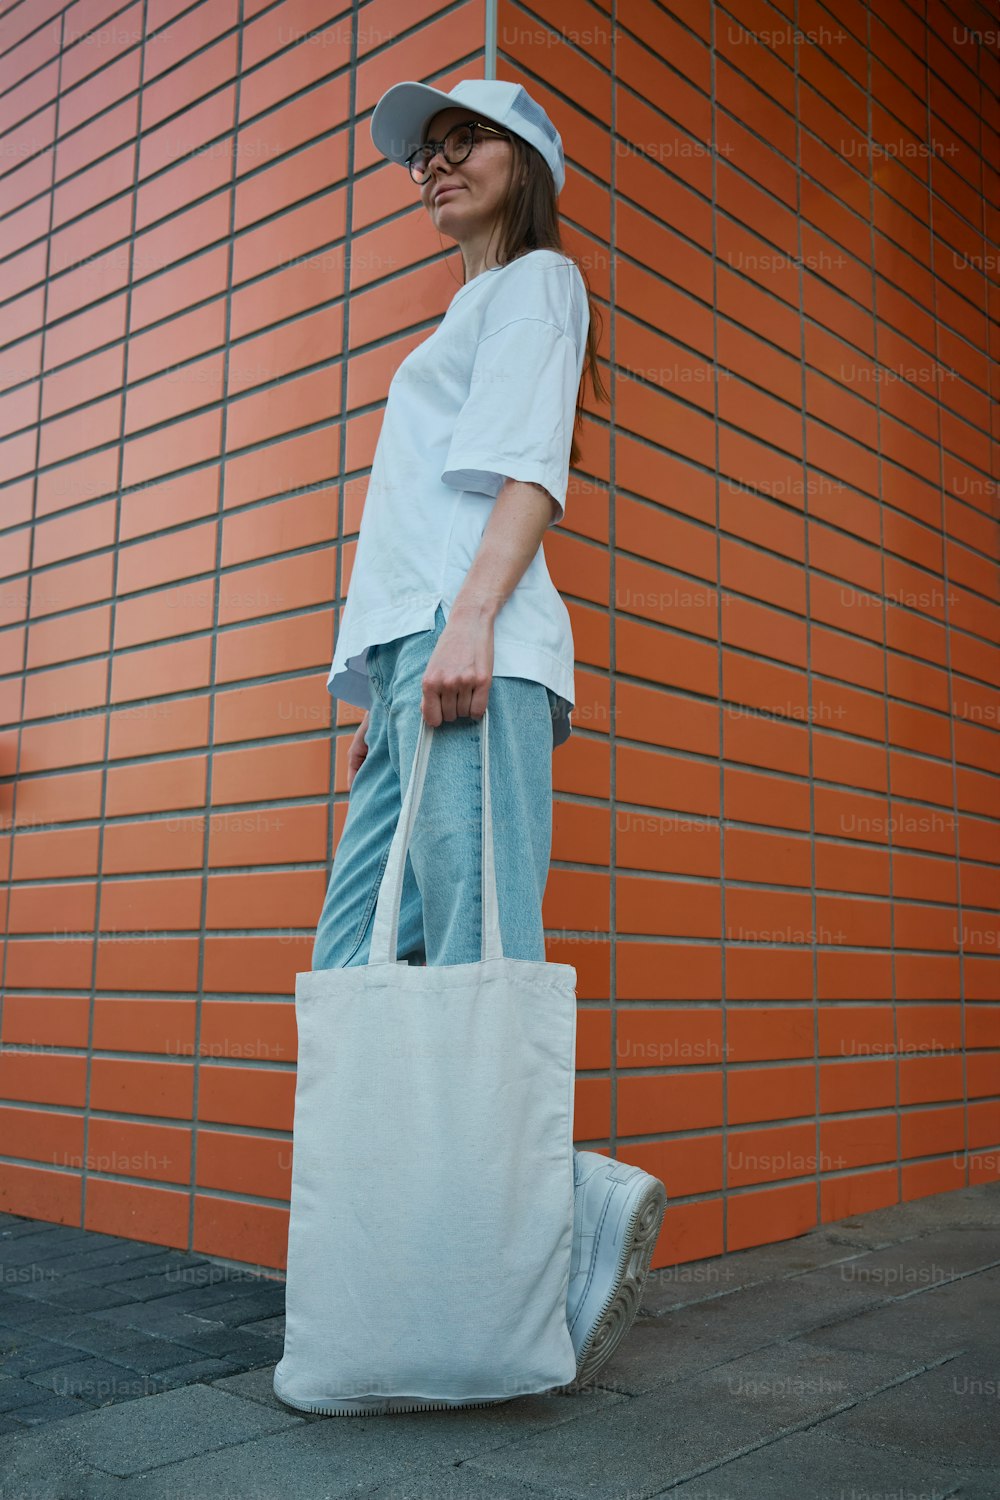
<point x="775" y="847"/>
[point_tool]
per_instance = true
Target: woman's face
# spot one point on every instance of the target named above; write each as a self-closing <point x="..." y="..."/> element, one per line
<point x="476" y="186"/>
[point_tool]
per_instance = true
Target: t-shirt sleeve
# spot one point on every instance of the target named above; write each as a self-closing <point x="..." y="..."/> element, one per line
<point x="517" y="420"/>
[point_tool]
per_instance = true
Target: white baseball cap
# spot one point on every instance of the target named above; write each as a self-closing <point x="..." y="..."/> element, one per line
<point x="402" y="114"/>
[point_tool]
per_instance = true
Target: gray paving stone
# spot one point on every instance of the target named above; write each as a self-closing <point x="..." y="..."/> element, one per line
<point x="35" y="1354"/>
<point x="144" y="1286"/>
<point x="172" y="1284"/>
<point x="97" y="1381"/>
<point x="811" y="1465"/>
<point x="326" y="1457"/>
<point x="232" y="1343"/>
<point x="197" y="1370"/>
<point x="149" y="1355"/>
<point x="30" y="1283"/>
<point x="218" y="1283"/>
<point x="792" y="1379"/>
<point x="152" y="1431"/>
<point x="23" y="1249"/>
<point x="152" y="1318"/>
<point x="30" y="1276"/>
<point x="164" y="1296"/>
<point x="956" y="1315"/>
<point x="179" y="1262"/>
<point x="669" y="1287"/>
<point x="257" y="1307"/>
<point x="693" y="1281"/>
<point x="62" y="1477"/>
<point x="19" y="1312"/>
<point x="892" y="1268"/>
<point x="12" y="1222"/>
<point x="461" y="1483"/>
<point x="107" y="1260"/>
<point x="715" y="1416"/>
<point x="88" y="1333"/>
<point x="231" y="1307"/>
<point x="222" y="1295"/>
<point x="258" y="1385"/>
<point x="68" y="1294"/>
<point x="50" y="1409"/>
<point x="12" y="1339"/>
<point x="968" y="1208"/>
<point x="80" y="1483"/>
<point x="125" y="1275"/>
<point x="57" y="1240"/>
<point x="15" y="1392"/>
<point x="267" y="1328"/>
<point x="796" y="1327"/>
<point x="984" y="1486"/>
<point x="186" y="1272"/>
<point x="702" y="1334"/>
<point x="926" y="1261"/>
<point x="979" y="1291"/>
<point x="951" y="1414"/>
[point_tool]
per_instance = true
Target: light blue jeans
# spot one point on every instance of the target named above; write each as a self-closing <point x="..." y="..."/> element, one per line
<point x="440" y="919"/>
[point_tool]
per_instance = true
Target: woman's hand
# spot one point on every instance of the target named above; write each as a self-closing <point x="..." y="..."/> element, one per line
<point x="456" y="682"/>
<point x="358" y="750"/>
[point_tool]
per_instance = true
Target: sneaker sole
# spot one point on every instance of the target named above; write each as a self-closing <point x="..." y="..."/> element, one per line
<point x="622" y="1303"/>
<point x="386" y="1405"/>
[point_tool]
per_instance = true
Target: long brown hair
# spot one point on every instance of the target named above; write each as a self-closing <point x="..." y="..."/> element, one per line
<point x="528" y="219"/>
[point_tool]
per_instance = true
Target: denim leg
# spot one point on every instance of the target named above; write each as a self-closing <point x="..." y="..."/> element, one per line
<point x="343" y="934"/>
<point x="446" y="842"/>
<point x="441" y="907"/>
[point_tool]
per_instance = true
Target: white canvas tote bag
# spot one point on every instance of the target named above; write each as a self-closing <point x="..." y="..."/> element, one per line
<point x="431" y="1221"/>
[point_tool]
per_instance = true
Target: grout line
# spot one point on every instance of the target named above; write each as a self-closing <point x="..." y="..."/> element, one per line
<point x="115" y="553"/>
<point x="810" y="677"/>
<point x="211" y="689"/>
<point x="615" y="1083"/>
<point x="725" y="1186"/>
<point x="342" y="481"/>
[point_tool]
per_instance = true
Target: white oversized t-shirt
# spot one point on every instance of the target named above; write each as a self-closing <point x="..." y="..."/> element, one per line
<point x="489" y="395"/>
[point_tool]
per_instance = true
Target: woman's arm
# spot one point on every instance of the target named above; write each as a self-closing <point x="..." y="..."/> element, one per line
<point x="456" y="683"/>
<point x="512" y="535"/>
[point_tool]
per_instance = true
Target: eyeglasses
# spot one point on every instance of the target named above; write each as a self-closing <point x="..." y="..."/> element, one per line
<point x="456" y="146"/>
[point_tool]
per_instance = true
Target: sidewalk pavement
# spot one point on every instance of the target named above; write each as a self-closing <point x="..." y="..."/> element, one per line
<point x="860" y="1361"/>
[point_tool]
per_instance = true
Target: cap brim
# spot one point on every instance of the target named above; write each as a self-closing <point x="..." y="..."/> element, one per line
<point x="397" y="125"/>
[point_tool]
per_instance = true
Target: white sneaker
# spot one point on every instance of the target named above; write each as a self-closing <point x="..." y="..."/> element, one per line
<point x="380" y="1406"/>
<point x="617" y="1213"/>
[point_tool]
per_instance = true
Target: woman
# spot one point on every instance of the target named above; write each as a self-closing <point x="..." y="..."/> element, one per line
<point x="451" y="607"/>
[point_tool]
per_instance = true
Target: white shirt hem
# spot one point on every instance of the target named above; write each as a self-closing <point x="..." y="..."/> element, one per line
<point x="348" y="676"/>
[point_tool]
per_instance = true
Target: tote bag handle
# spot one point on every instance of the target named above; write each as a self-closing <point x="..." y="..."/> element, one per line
<point x="385" y="932"/>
